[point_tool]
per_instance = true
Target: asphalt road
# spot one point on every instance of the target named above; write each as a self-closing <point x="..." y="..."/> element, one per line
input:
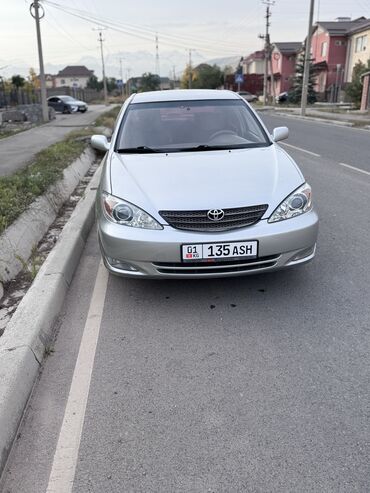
<point x="341" y="144"/>
<point x="254" y="384"/>
<point x="18" y="150"/>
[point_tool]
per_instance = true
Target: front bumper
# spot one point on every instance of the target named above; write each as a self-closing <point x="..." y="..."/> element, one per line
<point x="134" y="252"/>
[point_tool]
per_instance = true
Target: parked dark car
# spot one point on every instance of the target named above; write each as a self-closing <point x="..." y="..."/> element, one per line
<point x="67" y="104"/>
<point x="248" y="96"/>
<point x="282" y="97"/>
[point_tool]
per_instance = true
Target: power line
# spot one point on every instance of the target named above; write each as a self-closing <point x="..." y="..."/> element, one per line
<point x="65" y="33"/>
<point x="140" y="32"/>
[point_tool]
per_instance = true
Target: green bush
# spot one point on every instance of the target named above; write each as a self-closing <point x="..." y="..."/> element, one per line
<point x="354" y="88"/>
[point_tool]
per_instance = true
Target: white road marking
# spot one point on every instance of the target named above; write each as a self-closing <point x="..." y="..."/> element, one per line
<point x="66" y="454"/>
<point x="300" y="149"/>
<point x="355" y="169"/>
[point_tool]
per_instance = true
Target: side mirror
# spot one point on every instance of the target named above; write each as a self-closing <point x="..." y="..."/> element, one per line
<point x="280" y="133"/>
<point x="100" y="143"/>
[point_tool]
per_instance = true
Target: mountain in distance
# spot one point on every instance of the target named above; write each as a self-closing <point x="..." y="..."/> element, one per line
<point x="134" y="64"/>
<point x="229" y="61"/>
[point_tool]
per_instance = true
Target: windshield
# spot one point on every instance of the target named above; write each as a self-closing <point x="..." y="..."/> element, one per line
<point x="67" y="98"/>
<point x="174" y="126"/>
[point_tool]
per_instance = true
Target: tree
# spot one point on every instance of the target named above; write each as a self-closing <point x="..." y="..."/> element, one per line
<point x="33" y="79"/>
<point x="207" y="77"/>
<point x="295" y="95"/>
<point x="94" y="83"/>
<point x="229" y="70"/>
<point x="354" y="88"/>
<point x="185" y="77"/>
<point x="111" y="84"/>
<point x="150" y="82"/>
<point x="204" y="76"/>
<point x="18" y="81"/>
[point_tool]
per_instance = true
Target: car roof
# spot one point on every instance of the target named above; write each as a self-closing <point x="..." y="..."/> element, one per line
<point x="60" y="96"/>
<point x="182" y="95"/>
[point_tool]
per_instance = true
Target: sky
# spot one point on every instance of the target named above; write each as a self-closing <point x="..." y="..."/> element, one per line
<point x="210" y="28"/>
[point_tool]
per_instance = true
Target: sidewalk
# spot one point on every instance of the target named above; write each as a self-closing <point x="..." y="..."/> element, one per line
<point x="16" y="151"/>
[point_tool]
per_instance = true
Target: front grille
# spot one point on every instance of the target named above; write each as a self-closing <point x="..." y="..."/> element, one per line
<point x="224" y="267"/>
<point x="199" y="221"/>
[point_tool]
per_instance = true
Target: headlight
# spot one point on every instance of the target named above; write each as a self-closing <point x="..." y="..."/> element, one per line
<point x="297" y="203"/>
<point x="122" y="212"/>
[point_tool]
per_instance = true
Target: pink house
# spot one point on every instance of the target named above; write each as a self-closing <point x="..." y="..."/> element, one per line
<point x="254" y="63"/>
<point x="283" y="62"/>
<point x="329" y="52"/>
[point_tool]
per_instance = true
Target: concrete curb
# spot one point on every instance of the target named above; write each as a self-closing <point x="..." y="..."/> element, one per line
<point x="30" y="331"/>
<point x="19" y="238"/>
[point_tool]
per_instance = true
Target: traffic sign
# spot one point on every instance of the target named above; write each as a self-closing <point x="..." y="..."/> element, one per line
<point x="239" y="78"/>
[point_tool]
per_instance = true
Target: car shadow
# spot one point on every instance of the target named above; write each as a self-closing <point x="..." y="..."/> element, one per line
<point x="284" y="286"/>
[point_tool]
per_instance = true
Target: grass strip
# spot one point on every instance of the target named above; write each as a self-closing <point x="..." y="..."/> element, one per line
<point x="19" y="190"/>
<point x="8" y="133"/>
<point x="108" y="118"/>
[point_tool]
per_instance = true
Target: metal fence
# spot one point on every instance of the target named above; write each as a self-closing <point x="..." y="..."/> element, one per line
<point x="14" y="97"/>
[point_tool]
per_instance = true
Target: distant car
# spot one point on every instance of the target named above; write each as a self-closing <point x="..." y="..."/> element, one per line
<point x="248" y="96"/>
<point x="67" y="104"/>
<point x="194" y="186"/>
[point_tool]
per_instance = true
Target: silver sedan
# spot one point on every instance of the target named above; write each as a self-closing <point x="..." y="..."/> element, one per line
<point x="194" y="186"/>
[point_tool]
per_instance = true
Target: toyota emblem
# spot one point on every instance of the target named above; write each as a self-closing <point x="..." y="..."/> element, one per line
<point x="216" y="214"/>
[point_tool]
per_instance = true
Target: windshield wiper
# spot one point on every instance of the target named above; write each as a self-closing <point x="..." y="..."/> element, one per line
<point x="137" y="150"/>
<point x="206" y="147"/>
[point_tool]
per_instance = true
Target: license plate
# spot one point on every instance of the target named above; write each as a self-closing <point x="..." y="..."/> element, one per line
<point x="219" y="251"/>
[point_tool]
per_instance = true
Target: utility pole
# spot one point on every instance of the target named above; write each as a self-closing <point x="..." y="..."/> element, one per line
<point x="307" y="60"/>
<point x="101" y="40"/>
<point x="121" y="75"/>
<point x="190" y="70"/>
<point x="128" y="84"/>
<point x="267" y="49"/>
<point x="174" y="75"/>
<point x="157" y="67"/>
<point x="34" y="11"/>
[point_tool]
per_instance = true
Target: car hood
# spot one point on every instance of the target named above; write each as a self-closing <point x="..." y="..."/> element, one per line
<point x="204" y="180"/>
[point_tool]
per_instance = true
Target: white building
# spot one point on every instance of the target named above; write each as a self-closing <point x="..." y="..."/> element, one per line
<point x="73" y="76"/>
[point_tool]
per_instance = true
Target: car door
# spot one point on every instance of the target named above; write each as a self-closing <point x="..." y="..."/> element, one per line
<point x="53" y="102"/>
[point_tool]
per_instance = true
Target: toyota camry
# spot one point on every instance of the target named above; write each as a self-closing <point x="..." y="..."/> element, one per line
<point x="193" y="185"/>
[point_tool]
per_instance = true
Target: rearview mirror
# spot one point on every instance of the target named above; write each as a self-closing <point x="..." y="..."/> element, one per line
<point x="280" y="133"/>
<point x="100" y="143"/>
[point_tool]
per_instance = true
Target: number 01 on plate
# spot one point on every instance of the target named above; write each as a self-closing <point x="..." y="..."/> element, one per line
<point x="219" y="251"/>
